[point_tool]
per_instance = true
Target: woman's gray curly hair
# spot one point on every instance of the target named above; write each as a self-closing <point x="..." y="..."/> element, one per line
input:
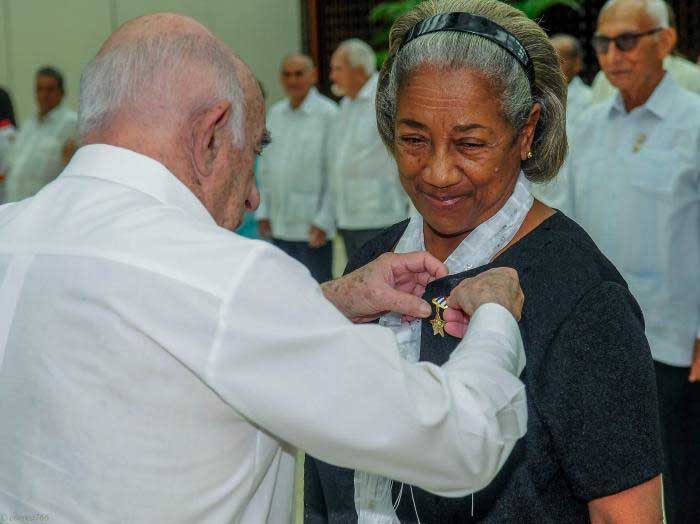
<point x="452" y="50"/>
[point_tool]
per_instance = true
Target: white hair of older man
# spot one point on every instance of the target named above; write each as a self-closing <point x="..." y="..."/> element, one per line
<point x="147" y="79"/>
<point x="359" y="54"/>
<point x="656" y="9"/>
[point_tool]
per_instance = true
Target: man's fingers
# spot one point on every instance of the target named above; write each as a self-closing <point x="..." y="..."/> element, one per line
<point x="694" y="374"/>
<point x="407" y="304"/>
<point x="419" y="263"/>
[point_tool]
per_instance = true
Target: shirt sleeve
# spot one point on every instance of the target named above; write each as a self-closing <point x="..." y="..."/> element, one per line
<point x="325" y="217"/>
<point x="263" y="211"/>
<point x="288" y="361"/>
<point x="598" y="396"/>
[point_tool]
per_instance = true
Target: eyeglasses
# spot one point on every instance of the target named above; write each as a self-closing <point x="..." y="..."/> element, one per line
<point x="624" y="42"/>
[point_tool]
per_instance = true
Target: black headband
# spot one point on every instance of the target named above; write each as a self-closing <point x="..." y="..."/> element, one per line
<point x="476" y="25"/>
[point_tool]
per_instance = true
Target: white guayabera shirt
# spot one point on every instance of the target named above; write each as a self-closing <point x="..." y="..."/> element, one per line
<point x="36" y="157"/>
<point x="632" y="180"/>
<point x="293" y="171"/>
<point x="365" y="180"/>
<point x="155" y="367"/>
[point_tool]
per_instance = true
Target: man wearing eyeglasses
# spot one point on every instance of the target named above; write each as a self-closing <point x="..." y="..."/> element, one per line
<point x="684" y="72"/>
<point x="632" y="180"/>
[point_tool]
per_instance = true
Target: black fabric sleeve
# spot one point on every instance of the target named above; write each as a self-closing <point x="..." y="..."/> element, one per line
<point x="315" y="511"/>
<point x="598" y="396"/>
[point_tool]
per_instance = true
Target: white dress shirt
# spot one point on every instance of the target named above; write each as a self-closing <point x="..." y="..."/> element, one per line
<point x="8" y="135"/>
<point x="684" y="72"/>
<point x="632" y="180"/>
<point x="578" y="100"/>
<point x="365" y="179"/>
<point x="155" y="367"/>
<point x="293" y="171"/>
<point x="37" y="154"/>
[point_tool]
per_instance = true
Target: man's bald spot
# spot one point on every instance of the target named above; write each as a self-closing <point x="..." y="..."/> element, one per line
<point x="647" y="12"/>
<point x="298" y="59"/>
<point x="146" y="25"/>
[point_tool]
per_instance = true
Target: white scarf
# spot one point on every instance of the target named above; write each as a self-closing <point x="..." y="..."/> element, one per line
<point x="372" y="492"/>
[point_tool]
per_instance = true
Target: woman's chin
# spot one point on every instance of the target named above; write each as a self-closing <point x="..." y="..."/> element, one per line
<point x="447" y="231"/>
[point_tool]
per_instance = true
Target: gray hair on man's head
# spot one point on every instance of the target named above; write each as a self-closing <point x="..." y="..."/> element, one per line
<point x="306" y="59"/>
<point x="359" y="54"/>
<point x="574" y="49"/>
<point x="159" y="76"/>
<point x="455" y="50"/>
<point x="657" y="10"/>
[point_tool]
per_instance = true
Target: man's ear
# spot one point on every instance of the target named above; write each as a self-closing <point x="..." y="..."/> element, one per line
<point x="668" y="38"/>
<point x="527" y="133"/>
<point x="209" y="133"/>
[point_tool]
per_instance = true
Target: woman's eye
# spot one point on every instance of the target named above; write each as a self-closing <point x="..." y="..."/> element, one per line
<point x="412" y="140"/>
<point x="470" y="145"/>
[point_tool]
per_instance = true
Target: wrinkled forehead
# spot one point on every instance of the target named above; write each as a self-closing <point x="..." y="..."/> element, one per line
<point x="625" y="17"/>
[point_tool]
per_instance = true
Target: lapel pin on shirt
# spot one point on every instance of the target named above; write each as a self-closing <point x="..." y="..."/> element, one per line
<point x="438" y="323"/>
<point x="639" y="142"/>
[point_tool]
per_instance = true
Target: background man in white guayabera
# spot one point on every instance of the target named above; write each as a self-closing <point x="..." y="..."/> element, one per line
<point x="632" y="180"/>
<point x="578" y="97"/>
<point x="156" y="367"/>
<point x="368" y="194"/>
<point x="296" y="207"/>
<point x="684" y="72"/>
<point x="45" y="141"/>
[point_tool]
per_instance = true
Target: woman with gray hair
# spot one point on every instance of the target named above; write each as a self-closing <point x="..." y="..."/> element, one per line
<point x="471" y="103"/>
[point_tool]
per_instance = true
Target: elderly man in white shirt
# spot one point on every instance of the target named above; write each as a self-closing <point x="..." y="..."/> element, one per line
<point x="578" y="97"/>
<point x="684" y="72"/>
<point x="368" y="194"/>
<point x="45" y="141"/>
<point x="156" y="367"/>
<point x="296" y="207"/>
<point x="633" y="182"/>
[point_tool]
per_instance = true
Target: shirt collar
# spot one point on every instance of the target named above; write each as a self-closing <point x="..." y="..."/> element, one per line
<point x="576" y="83"/>
<point x="369" y="88"/>
<point x="51" y="115"/>
<point x="136" y="171"/>
<point x="306" y="103"/>
<point x="659" y="103"/>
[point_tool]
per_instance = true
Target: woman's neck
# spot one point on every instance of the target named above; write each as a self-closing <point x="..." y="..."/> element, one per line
<point x="441" y="247"/>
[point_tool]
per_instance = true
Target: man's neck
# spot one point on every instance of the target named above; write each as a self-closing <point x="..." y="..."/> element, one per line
<point x="43" y="115"/>
<point x="295" y="103"/>
<point x="356" y="93"/>
<point x="638" y="98"/>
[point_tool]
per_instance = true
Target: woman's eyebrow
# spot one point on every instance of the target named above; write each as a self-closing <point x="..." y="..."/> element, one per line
<point x="412" y="123"/>
<point x="463" y="128"/>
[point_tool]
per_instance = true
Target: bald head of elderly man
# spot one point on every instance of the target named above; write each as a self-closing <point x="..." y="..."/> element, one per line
<point x="631" y="41"/>
<point x="156" y="367"/>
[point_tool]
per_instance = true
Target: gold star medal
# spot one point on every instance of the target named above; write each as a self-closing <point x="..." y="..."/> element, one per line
<point x="438" y="323"/>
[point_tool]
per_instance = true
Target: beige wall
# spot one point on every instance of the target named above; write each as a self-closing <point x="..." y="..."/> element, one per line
<point x="67" y="33"/>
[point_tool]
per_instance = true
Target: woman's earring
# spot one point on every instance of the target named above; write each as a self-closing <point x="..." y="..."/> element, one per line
<point x="529" y="155"/>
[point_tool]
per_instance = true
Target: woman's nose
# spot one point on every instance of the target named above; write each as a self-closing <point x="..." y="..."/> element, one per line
<point x="440" y="171"/>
